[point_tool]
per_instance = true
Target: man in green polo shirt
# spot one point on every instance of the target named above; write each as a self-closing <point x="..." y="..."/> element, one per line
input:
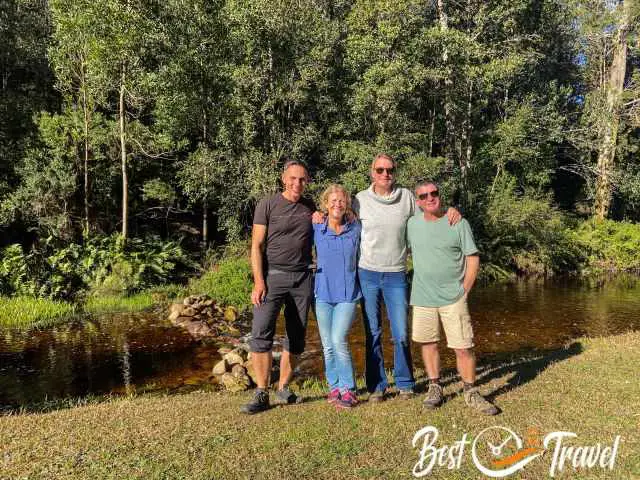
<point x="445" y="266"/>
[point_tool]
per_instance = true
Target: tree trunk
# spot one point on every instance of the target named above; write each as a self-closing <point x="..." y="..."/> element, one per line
<point x="205" y="225"/>
<point x="465" y="155"/>
<point x="432" y="128"/>
<point x="449" y="141"/>
<point x="123" y="152"/>
<point x="85" y="107"/>
<point x="614" y="88"/>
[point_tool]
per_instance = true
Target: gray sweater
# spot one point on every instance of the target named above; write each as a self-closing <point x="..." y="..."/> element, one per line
<point x="383" y="243"/>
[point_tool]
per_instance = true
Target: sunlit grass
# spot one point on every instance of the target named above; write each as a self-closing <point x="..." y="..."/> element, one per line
<point x="27" y="312"/>
<point x="119" y="304"/>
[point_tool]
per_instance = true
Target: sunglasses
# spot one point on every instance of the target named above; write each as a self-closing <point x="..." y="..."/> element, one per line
<point x="424" y="196"/>
<point x="381" y="170"/>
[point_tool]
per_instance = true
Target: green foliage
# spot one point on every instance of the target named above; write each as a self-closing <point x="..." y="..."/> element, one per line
<point x="230" y="283"/>
<point x="525" y="234"/>
<point x="27" y="80"/>
<point x="159" y="191"/>
<point x="29" y="312"/>
<point x="497" y="101"/>
<point x="102" y="266"/>
<point x="15" y="274"/>
<point x="611" y="246"/>
<point x="119" y="268"/>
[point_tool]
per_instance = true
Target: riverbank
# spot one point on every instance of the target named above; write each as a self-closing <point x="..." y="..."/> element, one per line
<point x="229" y="282"/>
<point x="25" y="313"/>
<point x="589" y="387"/>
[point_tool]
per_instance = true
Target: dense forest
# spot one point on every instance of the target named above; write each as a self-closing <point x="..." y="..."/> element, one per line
<point x="135" y="133"/>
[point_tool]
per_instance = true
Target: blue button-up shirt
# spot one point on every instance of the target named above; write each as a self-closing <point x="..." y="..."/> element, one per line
<point x="337" y="256"/>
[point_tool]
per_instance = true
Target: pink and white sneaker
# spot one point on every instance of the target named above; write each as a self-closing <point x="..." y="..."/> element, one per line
<point x="347" y="400"/>
<point x="334" y="396"/>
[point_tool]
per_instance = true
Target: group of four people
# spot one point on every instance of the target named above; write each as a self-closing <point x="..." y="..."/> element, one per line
<point x="361" y="253"/>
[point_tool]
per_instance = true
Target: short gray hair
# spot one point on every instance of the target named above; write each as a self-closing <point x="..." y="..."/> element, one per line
<point x="424" y="183"/>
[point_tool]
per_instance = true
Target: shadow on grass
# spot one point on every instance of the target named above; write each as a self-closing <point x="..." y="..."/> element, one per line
<point x="520" y="367"/>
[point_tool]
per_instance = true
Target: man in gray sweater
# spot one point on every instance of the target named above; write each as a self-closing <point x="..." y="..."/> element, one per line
<point x="384" y="210"/>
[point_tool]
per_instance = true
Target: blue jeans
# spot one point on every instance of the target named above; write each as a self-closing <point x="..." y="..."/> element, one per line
<point x="392" y="288"/>
<point x="334" y="322"/>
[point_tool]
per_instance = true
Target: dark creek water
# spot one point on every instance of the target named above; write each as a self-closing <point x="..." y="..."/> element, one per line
<point x="121" y="354"/>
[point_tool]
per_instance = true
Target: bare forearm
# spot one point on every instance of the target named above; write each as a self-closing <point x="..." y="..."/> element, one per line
<point x="471" y="272"/>
<point x="256" y="264"/>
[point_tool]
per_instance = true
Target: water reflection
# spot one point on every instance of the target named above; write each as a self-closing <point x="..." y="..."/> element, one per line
<point x="114" y="354"/>
<point x="142" y="352"/>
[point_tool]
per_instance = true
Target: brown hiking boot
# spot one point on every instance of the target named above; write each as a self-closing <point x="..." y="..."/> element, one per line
<point x="434" y="396"/>
<point x="476" y="401"/>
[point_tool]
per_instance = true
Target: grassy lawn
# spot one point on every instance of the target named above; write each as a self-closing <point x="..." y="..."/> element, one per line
<point x="590" y="388"/>
<point x="26" y="312"/>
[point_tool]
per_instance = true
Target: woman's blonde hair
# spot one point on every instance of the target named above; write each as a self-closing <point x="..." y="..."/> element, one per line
<point x="333" y="188"/>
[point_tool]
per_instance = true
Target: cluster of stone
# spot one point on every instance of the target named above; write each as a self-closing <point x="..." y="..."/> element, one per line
<point x="202" y="317"/>
<point x="234" y="371"/>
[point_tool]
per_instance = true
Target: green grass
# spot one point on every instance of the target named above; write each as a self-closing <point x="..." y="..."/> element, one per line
<point x="230" y="283"/>
<point x="590" y="388"/>
<point x="27" y="312"/>
<point x="136" y="302"/>
<point x="117" y="304"/>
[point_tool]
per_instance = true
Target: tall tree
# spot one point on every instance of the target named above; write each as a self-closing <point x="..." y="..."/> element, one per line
<point x="193" y="97"/>
<point x="607" y="28"/>
<point x="26" y="81"/>
<point x="612" y="86"/>
<point x="79" y="75"/>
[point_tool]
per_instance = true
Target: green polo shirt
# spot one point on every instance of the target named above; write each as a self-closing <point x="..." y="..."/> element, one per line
<point x="438" y="251"/>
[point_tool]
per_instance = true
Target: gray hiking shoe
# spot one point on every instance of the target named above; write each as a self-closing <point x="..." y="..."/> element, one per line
<point x="476" y="401"/>
<point x="259" y="403"/>
<point x="286" y="397"/>
<point x="434" y="396"/>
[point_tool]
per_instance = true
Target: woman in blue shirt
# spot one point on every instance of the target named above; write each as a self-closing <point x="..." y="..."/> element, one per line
<point x="337" y="291"/>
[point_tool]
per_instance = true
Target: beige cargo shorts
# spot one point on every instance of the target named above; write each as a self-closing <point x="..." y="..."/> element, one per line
<point x="454" y="318"/>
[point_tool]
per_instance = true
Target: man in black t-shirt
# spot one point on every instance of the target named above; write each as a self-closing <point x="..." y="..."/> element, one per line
<point x="280" y="259"/>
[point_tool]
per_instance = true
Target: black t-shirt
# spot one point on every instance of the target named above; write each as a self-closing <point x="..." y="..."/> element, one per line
<point x="289" y="232"/>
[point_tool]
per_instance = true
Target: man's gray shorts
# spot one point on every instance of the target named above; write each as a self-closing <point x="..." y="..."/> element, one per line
<point x="294" y="290"/>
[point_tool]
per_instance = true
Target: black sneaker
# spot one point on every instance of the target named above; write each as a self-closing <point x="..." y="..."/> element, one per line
<point x="286" y="397"/>
<point x="259" y="403"/>
<point x="378" y="396"/>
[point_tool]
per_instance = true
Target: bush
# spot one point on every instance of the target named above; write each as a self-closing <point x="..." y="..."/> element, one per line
<point x="102" y="266"/>
<point x="15" y="272"/>
<point x="524" y="234"/>
<point x="610" y="246"/>
<point x="229" y="283"/>
<point x="118" y="268"/>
